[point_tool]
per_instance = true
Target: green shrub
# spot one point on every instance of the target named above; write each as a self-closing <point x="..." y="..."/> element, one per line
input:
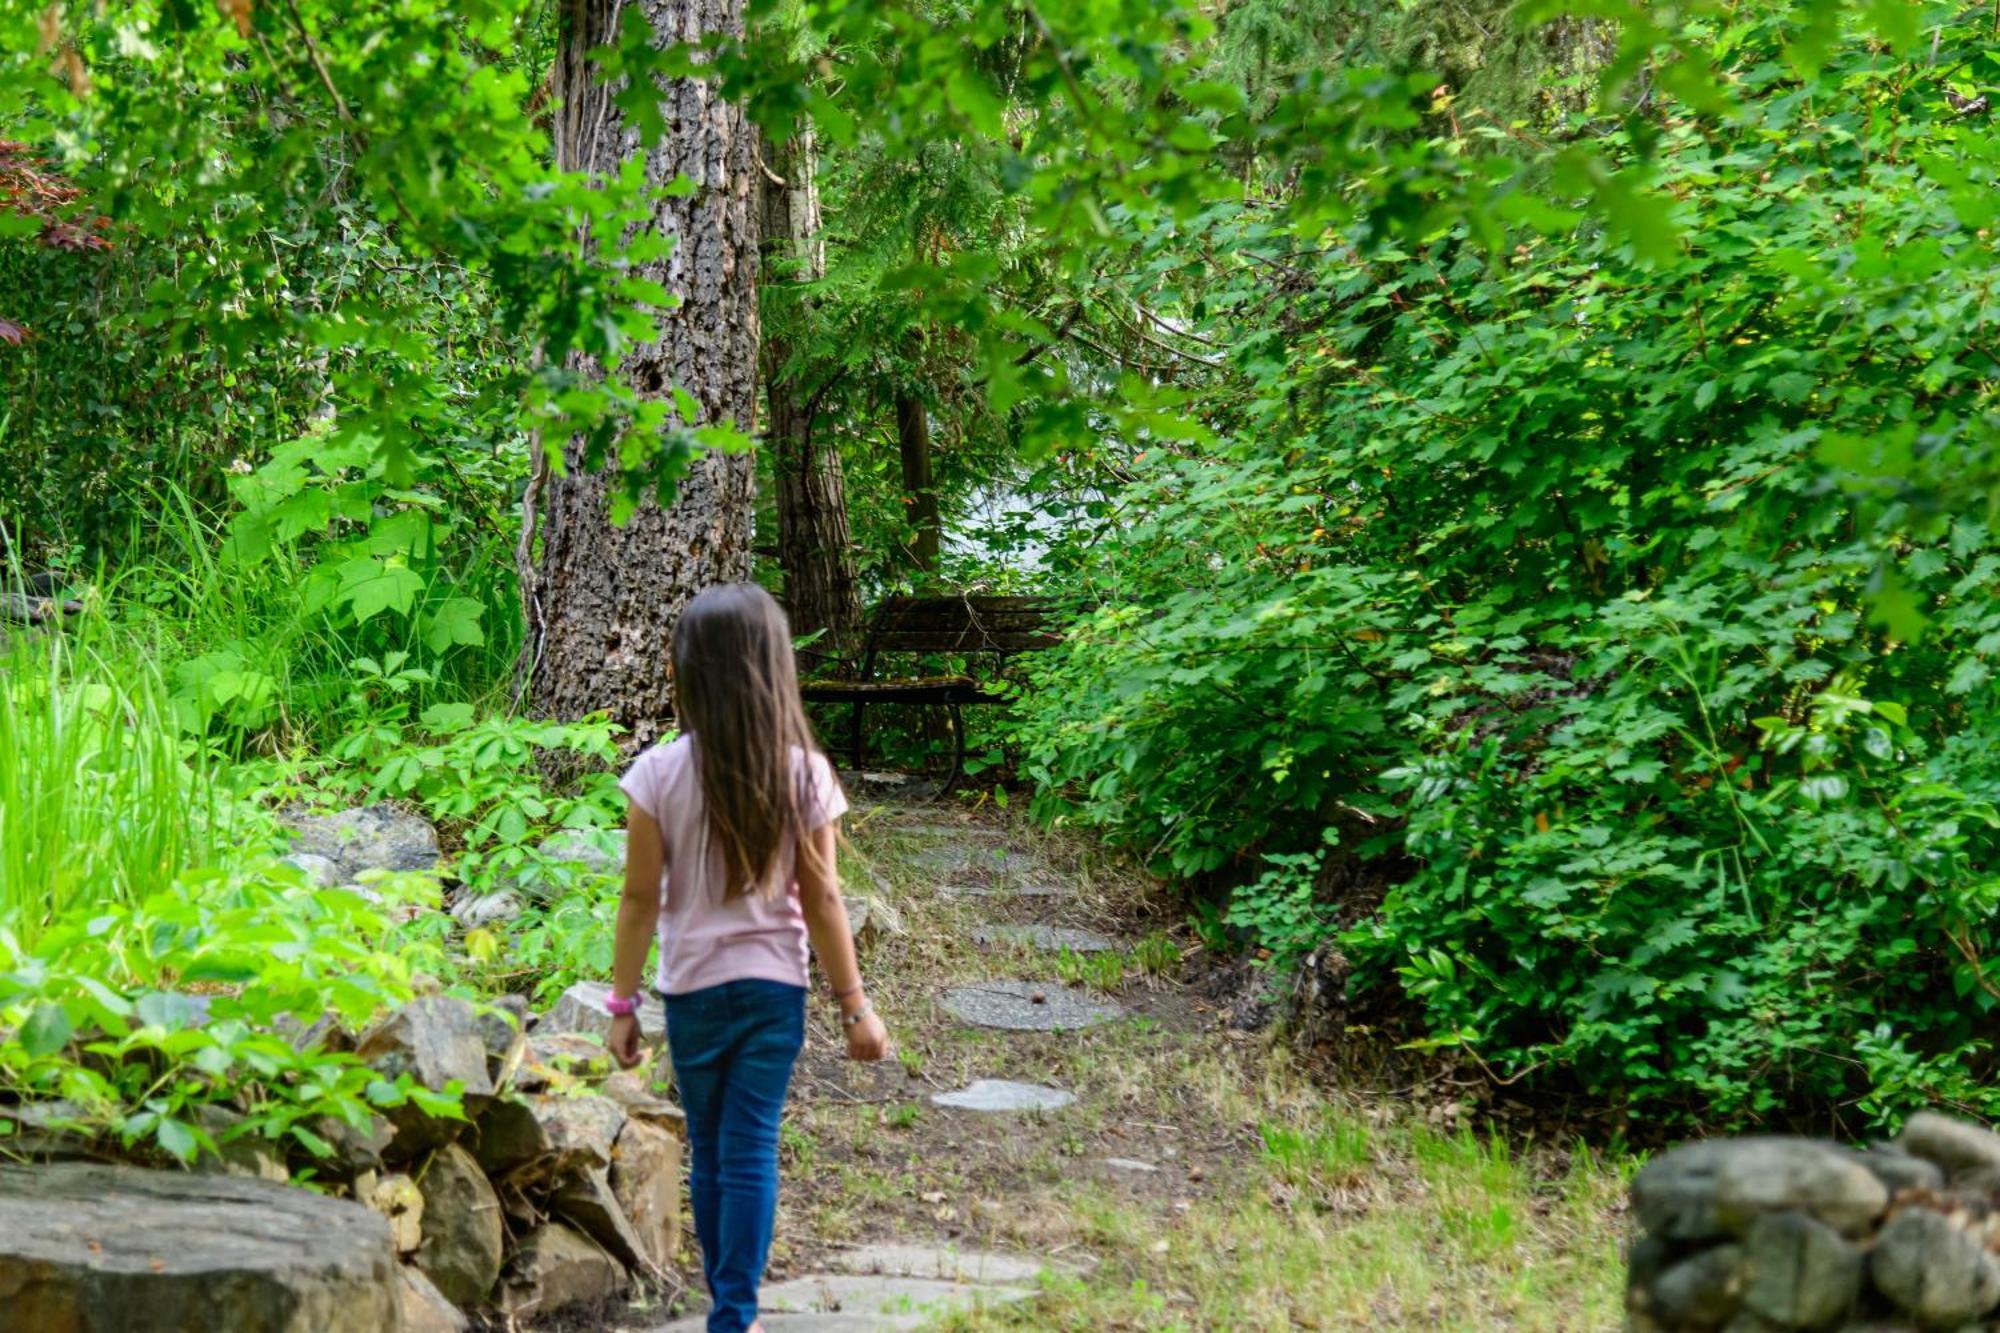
<point x="1637" y="583"/>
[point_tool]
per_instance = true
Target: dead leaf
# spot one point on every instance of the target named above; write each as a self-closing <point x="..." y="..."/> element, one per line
<point x="73" y="70"/>
<point x="239" y="10"/>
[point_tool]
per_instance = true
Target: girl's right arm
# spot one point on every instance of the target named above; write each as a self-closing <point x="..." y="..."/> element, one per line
<point x="638" y="918"/>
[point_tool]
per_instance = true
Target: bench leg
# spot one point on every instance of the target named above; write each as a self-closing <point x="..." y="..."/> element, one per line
<point x="957" y="769"/>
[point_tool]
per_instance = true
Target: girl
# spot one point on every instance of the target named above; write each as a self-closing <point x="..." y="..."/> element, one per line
<point x="736" y="821"/>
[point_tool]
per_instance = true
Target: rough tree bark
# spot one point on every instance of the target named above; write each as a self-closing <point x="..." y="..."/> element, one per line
<point x="913" y="435"/>
<point x="815" y="545"/>
<point x="602" y="600"/>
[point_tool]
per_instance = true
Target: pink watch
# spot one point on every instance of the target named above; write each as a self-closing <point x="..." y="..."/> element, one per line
<point x="621" y="1008"/>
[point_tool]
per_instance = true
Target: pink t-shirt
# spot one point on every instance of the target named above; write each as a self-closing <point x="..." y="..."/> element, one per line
<point x="706" y="940"/>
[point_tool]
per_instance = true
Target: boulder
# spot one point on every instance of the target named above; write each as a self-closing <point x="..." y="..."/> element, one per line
<point x="352" y="1149"/>
<point x="237" y="1153"/>
<point x="591" y="851"/>
<point x="509" y="1135"/>
<point x="474" y="911"/>
<point x="374" y="837"/>
<point x="46" y="1131"/>
<point x="1800" y="1273"/>
<point x="320" y="872"/>
<point x="1933" y="1270"/>
<point x="114" y="1249"/>
<point x="423" y="1307"/>
<point x="503" y="1026"/>
<point x="556" y="1269"/>
<point x="639" y="1102"/>
<point x="463" y="1236"/>
<point x="1899" y="1170"/>
<point x="581" y="1010"/>
<point x="646" y="1181"/>
<point x="582" y="1130"/>
<point x="584" y="1199"/>
<point x="560" y="1061"/>
<point x="438" y="1041"/>
<point x="399" y="1201"/>
<point x="1953" y="1144"/>
<point x="1698" y="1292"/>
<point x="1701" y="1191"/>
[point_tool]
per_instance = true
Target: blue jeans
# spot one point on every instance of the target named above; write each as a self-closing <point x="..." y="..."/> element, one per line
<point x="733" y="1047"/>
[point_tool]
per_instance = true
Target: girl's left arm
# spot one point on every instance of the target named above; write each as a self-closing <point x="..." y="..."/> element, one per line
<point x="638" y="918"/>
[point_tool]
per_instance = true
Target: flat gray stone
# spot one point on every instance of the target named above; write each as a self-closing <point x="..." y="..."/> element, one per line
<point x="1038" y="888"/>
<point x="999" y="861"/>
<point x="882" y="1294"/>
<point x="1054" y="939"/>
<point x="808" y="1323"/>
<point x="933" y="1261"/>
<point x="999" y="1094"/>
<point x="1014" y="1005"/>
<point x="1130" y="1164"/>
<point x="974" y="832"/>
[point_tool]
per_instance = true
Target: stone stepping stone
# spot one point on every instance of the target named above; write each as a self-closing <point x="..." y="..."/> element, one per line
<point x="931" y="1280"/>
<point x="1030" y="889"/>
<point x="1013" y="1005"/>
<point x="999" y="1094"/>
<point x="972" y="832"/>
<point x="1053" y="939"/>
<point x="948" y="860"/>
<point x="931" y="1261"/>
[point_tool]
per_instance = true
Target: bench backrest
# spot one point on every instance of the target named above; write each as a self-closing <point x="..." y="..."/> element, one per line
<point x="966" y="624"/>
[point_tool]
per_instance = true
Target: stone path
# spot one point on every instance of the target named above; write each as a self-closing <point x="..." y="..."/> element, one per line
<point x="1028" y="1006"/>
<point x="893" y="1286"/>
<point x="1049" y="939"/>
<point x="909" y="1282"/>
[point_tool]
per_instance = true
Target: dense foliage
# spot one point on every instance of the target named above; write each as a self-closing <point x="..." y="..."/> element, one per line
<point x="1536" y="466"/>
<point x="1639" y="589"/>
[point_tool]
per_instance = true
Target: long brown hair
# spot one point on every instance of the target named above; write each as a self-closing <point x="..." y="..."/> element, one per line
<point x="736" y="688"/>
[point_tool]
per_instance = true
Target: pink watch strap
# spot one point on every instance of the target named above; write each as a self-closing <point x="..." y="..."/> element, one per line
<point x="623" y="1007"/>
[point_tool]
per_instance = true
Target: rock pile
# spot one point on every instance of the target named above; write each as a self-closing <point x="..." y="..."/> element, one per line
<point x="1755" y="1235"/>
<point x="558" y="1188"/>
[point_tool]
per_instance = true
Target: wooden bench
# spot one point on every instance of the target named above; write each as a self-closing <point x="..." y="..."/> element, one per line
<point x="972" y="627"/>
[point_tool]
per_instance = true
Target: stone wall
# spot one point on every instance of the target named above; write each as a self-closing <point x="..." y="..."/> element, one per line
<point x="1755" y="1235"/>
<point x="558" y="1189"/>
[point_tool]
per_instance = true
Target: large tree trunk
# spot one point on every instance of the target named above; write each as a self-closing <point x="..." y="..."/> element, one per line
<point x="603" y="600"/>
<point x="913" y="435"/>
<point x="815" y="546"/>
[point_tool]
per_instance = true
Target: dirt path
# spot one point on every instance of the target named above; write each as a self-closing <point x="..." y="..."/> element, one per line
<point x="1181" y="1175"/>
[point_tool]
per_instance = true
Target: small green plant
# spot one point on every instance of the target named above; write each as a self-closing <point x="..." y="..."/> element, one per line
<point x="1209" y="928"/>
<point x="139" y="1013"/>
<point x="1102" y="971"/>
<point x="911" y="1059"/>
<point x="904" y="1116"/>
<point x="796" y="1146"/>
<point x="1156" y="954"/>
<point x="1331" y="1152"/>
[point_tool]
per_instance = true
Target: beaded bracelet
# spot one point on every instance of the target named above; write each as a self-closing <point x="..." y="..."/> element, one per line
<point x="854" y="1019"/>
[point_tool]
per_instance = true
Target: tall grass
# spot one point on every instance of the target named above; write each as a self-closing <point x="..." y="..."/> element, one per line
<point x="100" y="799"/>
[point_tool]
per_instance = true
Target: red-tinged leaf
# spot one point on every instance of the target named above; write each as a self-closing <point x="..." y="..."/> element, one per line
<point x="11" y="333"/>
